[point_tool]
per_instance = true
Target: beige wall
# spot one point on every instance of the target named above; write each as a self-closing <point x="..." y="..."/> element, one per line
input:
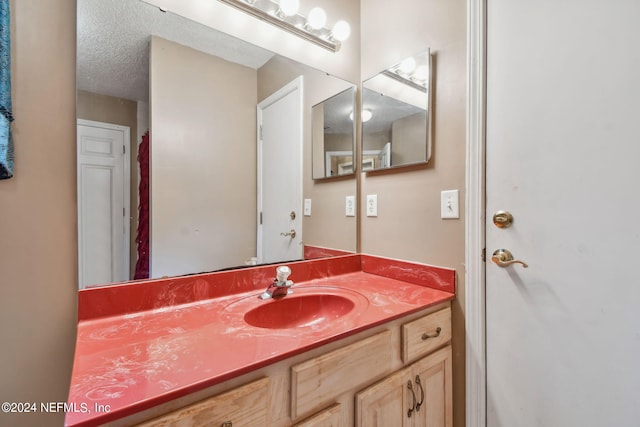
<point x="327" y="226"/>
<point x="124" y="112"/>
<point x="38" y="216"/>
<point x="408" y="225"/>
<point x="203" y="161"/>
<point x="408" y="138"/>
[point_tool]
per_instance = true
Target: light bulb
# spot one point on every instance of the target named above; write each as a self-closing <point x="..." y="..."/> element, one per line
<point x="341" y="31"/>
<point x="317" y="18"/>
<point x="365" y="115"/>
<point x="289" y="7"/>
<point x="422" y="73"/>
<point x="407" y="66"/>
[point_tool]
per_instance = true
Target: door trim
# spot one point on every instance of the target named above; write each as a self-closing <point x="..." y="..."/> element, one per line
<point x="126" y="158"/>
<point x="292" y="86"/>
<point x="475" y="285"/>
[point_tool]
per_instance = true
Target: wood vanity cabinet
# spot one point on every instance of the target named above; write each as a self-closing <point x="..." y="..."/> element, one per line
<point x="419" y="395"/>
<point x="396" y="374"/>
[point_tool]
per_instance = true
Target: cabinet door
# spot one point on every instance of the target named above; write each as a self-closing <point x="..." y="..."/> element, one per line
<point x="432" y="380"/>
<point x="386" y="403"/>
<point x="244" y="406"/>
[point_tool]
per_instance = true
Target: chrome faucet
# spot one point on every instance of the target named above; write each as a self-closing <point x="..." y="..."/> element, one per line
<point x="280" y="287"/>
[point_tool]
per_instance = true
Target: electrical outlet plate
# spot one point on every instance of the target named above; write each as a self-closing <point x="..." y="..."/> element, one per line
<point x="307" y="207"/>
<point x="350" y="206"/>
<point x="449" y="204"/>
<point x="372" y="205"/>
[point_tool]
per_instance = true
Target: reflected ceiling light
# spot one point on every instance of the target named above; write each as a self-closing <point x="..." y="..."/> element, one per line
<point x="284" y="15"/>
<point x="365" y="116"/>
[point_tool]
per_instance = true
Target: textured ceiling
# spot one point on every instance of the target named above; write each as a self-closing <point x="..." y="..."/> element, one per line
<point x="113" y="45"/>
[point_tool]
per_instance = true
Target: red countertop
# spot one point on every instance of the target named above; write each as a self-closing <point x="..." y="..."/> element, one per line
<point x="145" y="343"/>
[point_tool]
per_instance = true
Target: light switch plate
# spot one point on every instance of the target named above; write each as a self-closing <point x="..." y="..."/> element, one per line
<point x="350" y="206"/>
<point x="372" y="205"/>
<point x="307" y="207"/>
<point x="449" y="204"/>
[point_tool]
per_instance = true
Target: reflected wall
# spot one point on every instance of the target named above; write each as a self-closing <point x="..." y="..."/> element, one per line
<point x="327" y="226"/>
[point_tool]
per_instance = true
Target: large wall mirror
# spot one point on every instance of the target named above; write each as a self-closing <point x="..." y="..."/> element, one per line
<point x="395" y="115"/>
<point x="198" y="92"/>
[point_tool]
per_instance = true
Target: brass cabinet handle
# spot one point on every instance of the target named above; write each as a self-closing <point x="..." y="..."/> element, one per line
<point x="426" y="336"/>
<point x="413" y="395"/>
<point x="504" y="258"/>
<point x="226" y="424"/>
<point x="419" y="404"/>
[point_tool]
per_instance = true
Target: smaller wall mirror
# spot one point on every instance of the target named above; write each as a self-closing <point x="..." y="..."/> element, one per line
<point x="395" y="115"/>
<point x="333" y="136"/>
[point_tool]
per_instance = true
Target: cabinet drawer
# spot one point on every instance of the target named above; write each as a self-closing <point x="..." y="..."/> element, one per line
<point x="426" y="334"/>
<point x="330" y="417"/>
<point x="243" y="406"/>
<point x="316" y="382"/>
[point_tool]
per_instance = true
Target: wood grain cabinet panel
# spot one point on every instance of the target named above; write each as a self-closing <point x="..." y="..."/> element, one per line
<point x="330" y="417"/>
<point x="316" y="382"/>
<point x="426" y="334"/>
<point x="417" y="396"/>
<point x="244" y="406"/>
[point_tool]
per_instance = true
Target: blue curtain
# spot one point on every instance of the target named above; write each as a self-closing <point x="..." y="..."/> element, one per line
<point x="6" y="116"/>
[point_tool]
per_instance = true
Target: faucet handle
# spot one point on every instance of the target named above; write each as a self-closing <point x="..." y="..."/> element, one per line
<point x="282" y="273"/>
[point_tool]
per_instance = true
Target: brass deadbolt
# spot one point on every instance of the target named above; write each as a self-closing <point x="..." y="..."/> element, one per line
<point x="502" y="219"/>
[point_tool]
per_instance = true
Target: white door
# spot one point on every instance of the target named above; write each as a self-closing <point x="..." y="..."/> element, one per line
<point x="103" y="203"/>
<point x="562" y="154"/>
<point x="280" y="175"/>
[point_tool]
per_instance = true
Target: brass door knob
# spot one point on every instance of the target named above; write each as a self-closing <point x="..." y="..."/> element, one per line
<point x="504" y="258"/>
<point x="291" y="234"/>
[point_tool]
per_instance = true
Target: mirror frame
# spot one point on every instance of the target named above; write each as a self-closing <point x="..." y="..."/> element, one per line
<point x="428" y="120"/>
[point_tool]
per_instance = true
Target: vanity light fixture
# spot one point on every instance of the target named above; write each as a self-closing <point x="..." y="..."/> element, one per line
<point x="288" y="8"/>
<point x="284" y="14"/>
<point x="317" y="18"/>
<point x="410" y="73"/>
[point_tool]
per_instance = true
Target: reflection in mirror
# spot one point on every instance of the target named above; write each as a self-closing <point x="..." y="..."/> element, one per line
<point x="196" y="91"/>
<point x="395" y="115"/>
<point x="333" y="135"/>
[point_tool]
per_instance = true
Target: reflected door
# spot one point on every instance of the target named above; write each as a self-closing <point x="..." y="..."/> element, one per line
<point x="103" y="203"/>
<point x="280" y="175"/>
<point x="563" y="335"/>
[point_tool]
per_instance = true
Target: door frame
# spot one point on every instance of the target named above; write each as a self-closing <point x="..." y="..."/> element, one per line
<point x="126" y="159"/>
<point x="475" y="278"/>
<point x="296" y="84"/>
